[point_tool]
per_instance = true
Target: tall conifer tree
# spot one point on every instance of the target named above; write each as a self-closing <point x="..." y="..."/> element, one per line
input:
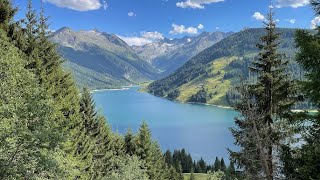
<point x="265" y="107"/>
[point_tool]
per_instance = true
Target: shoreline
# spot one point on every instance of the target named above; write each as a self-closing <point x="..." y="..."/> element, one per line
<point x="115" y="89"/>
<point x="206" y="104"/>
<point x="194" y="103"/>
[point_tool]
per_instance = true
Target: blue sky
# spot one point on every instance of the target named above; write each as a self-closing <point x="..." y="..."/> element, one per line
<point x="141" y="21"/>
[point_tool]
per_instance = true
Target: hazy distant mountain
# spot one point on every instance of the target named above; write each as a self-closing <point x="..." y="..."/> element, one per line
<point x="168" y="55"/>
<point x="104" y="54"/>
<point x="209" y="76"/>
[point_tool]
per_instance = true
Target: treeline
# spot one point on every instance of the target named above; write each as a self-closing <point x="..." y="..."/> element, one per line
<point x="274" y="141"/>
<point x="47" y="129"/>
<point x="182" y="162"/>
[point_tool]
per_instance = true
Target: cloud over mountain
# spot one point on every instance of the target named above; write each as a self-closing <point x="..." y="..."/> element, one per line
<point x="144" y="38"/>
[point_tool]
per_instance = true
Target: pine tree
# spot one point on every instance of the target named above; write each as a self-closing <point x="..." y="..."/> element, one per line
<point x="304" y="163"/>
<point x="202" y="165"/>
<point x="168" y="158"/>
<point x="217" y="165"/>
<point x="265" y="105"/>
<point x="7" y="13"/>
<point x="223" y="165"/>
<point x="230" y="173"/>
<point x="129" y="143"/>
<point x="173" y="174"/>
<point x="7" y="23"/>
<point x="150" y="153"/>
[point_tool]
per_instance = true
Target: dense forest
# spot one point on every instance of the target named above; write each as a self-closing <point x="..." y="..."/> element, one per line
<point x="48" y="131"/>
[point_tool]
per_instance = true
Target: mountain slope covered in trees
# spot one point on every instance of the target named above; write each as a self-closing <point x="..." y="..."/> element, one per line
<point x="210" y="76"/>
<point x="48" y="130"/>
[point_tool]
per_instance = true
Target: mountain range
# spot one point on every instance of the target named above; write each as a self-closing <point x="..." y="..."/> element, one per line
<point x="203" y="68"/>
<point x="210" y="76"/>
<point x="101" y="60"/>
<point x="168" y="55"/>
<point x="105" y="55"/>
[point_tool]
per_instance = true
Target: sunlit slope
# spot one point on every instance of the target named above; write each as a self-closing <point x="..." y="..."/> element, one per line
<point x="211" y="75"/>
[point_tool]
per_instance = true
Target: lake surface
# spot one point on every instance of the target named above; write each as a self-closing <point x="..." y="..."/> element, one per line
<point x="201" y="130"/>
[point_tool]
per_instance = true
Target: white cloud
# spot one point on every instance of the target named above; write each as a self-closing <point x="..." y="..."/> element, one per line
<point x="291" y="3"/>
<point x="181" y="29"/>
<point x="315" y="22"/>
<point x="292" y="21"/>
<point x="131" y="14"/>
<point x="258" y="16"/>
<point x="137" y="41"/>
<point x="152" y="35"/>
<point x="79" y="5"/>
<point x="196" y="4"/>
<point x="144" y="38"/>
<point x="200" y="26"/>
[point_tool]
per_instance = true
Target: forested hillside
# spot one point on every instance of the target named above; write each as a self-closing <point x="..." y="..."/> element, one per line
<point x="47" y="129"/>
<point x="210" y="76"/>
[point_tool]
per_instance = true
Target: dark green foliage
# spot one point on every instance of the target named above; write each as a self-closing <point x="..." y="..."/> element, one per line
<point x="129" y="143"/>
<point x="7" y="13"/>
<point x="304" y="162"/>
<point x="150" y="153"/>
<point x="222" y="165"/>
<point x="230" y="172"/>
<point x="200" y="97"/>
<point x="174" y="94"/>
<point x="217" y="164"/>
<point x="265" y="107"/>
<point x="168" y="158"/>
<point x="202" y="166"/>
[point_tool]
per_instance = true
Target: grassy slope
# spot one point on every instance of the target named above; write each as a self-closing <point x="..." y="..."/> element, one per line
<point x="215" y="84"/>
<point x="208" y="68"/>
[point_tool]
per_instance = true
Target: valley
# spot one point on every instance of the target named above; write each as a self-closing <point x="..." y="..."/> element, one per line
<point x="197" y="69"/>
<point x="99" y="60"/>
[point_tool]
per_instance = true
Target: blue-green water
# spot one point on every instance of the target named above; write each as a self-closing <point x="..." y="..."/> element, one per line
<point x="201" y="130"/>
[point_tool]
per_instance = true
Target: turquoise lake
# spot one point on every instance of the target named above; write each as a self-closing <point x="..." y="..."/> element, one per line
<point x="202" y="130"/>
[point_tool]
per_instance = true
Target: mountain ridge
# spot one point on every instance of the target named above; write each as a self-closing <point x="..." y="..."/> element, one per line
<point x="209" y="76"/>
<point x="104" y="53"/>
<point x="109" y="56"/>
<point x="170" y="54"/>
